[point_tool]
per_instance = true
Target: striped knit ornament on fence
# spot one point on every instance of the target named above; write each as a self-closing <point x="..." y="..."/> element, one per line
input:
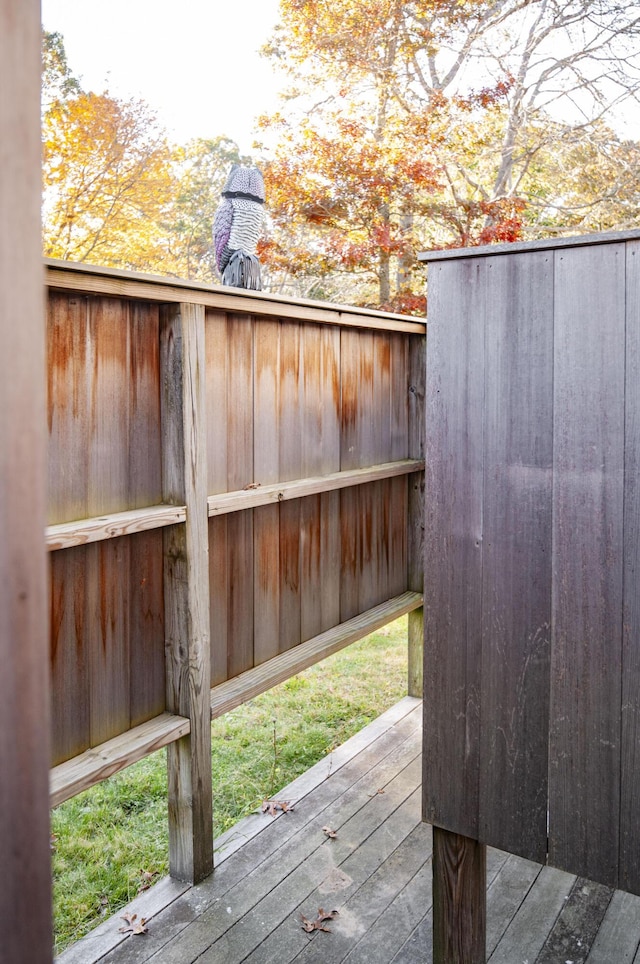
<point x="237" y="227"/>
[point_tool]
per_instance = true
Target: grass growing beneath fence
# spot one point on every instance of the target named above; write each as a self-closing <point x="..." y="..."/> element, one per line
<point x="110" y="842"/>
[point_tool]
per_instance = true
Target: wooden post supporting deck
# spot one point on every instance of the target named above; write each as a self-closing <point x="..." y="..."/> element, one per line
<point x="459" y="899"/>
<point x="186" y="576"/>
<point x="25" y="885"/>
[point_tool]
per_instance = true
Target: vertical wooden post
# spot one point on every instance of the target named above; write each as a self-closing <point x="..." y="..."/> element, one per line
<point x="186" y="588"/>
<point x="459" y="899"/>
<point x="417" y="379"/>
<point x="25" y="882"/>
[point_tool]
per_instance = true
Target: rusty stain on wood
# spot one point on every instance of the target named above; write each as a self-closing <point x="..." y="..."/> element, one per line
<point x="294" y="408"/>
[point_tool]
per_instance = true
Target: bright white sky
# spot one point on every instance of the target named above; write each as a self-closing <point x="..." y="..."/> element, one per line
<point x="195" y="62"/>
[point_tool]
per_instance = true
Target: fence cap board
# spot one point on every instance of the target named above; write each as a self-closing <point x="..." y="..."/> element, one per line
<point x="95" y="279"/>
<point x="544" y="244"/>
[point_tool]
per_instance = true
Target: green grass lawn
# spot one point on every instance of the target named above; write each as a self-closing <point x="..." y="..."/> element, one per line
<point x="110" y="842"/>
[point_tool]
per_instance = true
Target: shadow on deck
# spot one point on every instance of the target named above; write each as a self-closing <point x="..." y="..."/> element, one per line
<point x="376" y="873"/>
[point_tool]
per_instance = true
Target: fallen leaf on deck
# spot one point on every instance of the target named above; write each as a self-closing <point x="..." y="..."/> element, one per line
<point x="272" y="806"/>
<point x="134" y="926"/>
<point x="332" y="834"/>
<point x="376" y="793"/>
<point x="318" y="924"/>
<point x="146" y="879"/>
<point x="252" y="485"/>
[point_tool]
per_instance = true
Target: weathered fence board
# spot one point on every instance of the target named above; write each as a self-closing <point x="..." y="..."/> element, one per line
<point x="536" y="470"/>
<point x="186" y="597"/>
<point x="453" y="537"/>
<point x="584" y="772"/>
<point x="630" y="736"/>
<point x="516" y="522"/>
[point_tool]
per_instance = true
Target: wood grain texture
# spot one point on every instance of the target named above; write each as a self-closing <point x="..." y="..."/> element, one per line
<point x="517" y="511"/>
<point x="584" y="775"/>
<point x="108" y="412"/>
<point x="70" y="732"/>
<point x="240" y="601"/>
<point x="247" y="685"/>
<point x="147" y="683"/>
<point x="107" y="636"/>
<point x="459" y="899"/>
<point x="217" y="400"/>
<point x="266" y="519"/>
<point x="65" y="535"/>
<point x="218" y="599"/>
<point x="416" y="411"/>
<point x="186" y="583"/>
<point x="144" y="481"/>
<point x="630" y="759"/>
<point x="68" y="387"/>
<point x="453" y="546"/>
<point x="316" y="485"/>
<point x="291" y="421"/>
<point x="101" y="762"/>
<point x="91" y="279"/>
<point x="240" y="471"/>
<point x="24" y="688"/>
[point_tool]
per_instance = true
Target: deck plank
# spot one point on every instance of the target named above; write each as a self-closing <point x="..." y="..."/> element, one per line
<point x="578" y="924"/>
<point x="356" y="878"/>
<point x="376" y="873"/>
<point x="334" y="799"/>
<point x="526" y="933"/>
<point x="230" y="936"/>
<point x="619" y="936"/>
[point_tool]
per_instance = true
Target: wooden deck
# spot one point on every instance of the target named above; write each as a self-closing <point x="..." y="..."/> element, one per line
<point x="376" y="873"/>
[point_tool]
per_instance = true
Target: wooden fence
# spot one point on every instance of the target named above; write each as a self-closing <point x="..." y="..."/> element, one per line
<point x="235" y="492"/>
<point x="532" y="606"/>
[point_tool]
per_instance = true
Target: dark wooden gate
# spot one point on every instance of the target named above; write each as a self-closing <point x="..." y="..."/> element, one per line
<point x="532" y="603"/>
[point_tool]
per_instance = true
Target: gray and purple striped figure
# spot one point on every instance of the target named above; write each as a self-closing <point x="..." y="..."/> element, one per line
<point x="237" y="227"/>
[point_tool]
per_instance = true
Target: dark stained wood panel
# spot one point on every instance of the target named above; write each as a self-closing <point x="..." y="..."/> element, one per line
<point x="584" y="776"/>
<point x="453" y="545"/>
<point x="630" y="786"/>
<point x="516" y="576"/>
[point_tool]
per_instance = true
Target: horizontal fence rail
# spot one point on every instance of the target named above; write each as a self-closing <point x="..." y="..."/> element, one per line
<point x="235" y="491"/>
